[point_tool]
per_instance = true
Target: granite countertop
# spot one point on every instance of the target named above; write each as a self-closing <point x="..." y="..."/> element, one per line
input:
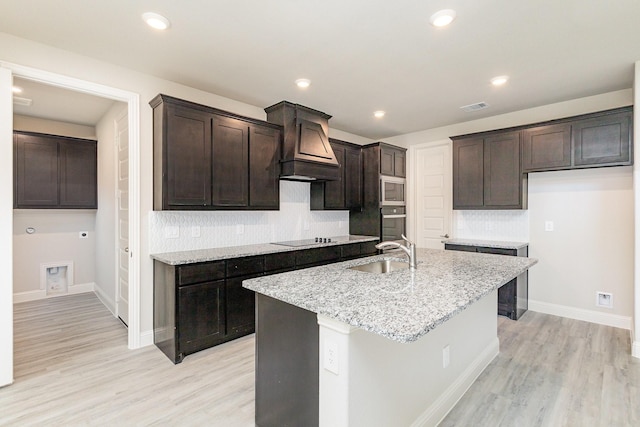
<point x="400" y="305"/>
<point x="216" y="254"/>
<point x="487" y="243"/>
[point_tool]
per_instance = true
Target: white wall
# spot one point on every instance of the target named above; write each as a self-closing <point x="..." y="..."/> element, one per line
<point x="591" y="246"/>
<point x="53" y="127"/>
<point x="6" y="228"/>
<point x="105" y="219"/>
<point x="26" y="53"/>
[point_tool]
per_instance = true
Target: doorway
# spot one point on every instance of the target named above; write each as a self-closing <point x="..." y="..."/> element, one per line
<point x="431" y="204"/>
<point x="7" y="72"/>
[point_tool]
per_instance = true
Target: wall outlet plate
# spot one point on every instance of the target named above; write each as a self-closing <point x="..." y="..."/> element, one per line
<point x="171" y="232"/>
<point x="604" y="299"/>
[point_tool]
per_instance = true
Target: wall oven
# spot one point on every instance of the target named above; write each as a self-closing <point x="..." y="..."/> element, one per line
<point x="392" y="191"/>
<point x="393" y="222"/>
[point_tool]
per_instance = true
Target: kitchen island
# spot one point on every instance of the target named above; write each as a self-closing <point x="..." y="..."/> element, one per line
<point x="341" y="347"/>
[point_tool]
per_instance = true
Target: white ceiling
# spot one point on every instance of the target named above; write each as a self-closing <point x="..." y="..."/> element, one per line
<point x="361" y="55"/>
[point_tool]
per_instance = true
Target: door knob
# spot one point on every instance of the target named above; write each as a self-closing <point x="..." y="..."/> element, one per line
<point x="446" y="236"/>
<point x="126" y="249"/>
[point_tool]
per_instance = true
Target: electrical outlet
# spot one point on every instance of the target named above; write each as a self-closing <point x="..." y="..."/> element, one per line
<point x="604" y="299"/>
<point x="239" y="228"/>
<point x="83" y="234"/>
<point x="331" y="363"/>
<point x="446" y="356"/>
<point x="305" y="225"/>
<point x="548" y="226"/>
<point x="195" y="231"/>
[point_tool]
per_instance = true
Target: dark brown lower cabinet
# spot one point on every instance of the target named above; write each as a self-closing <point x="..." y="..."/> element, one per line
<point x="199" y="305"/>
<point x="513" y="298"/>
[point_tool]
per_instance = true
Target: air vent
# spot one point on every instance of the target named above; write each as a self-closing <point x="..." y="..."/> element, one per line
<point x="25" y="102"/>
<point x="474" y="107"/>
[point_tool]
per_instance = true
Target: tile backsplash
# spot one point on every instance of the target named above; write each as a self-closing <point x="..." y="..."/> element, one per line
<point x="216" y="229"/>
<point x="509" y="225"/>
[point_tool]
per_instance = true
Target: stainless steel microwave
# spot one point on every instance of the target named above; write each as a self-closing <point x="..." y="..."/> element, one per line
<point x="393" y="191"/>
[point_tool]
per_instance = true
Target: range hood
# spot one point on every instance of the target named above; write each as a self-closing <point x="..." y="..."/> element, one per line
<point x="306" y="152"/>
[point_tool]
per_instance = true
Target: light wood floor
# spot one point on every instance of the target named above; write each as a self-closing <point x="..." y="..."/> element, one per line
<point x="72" y="367"/>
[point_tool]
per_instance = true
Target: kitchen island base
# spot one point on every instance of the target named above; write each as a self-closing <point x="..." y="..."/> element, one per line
<point x="364" y="379"/>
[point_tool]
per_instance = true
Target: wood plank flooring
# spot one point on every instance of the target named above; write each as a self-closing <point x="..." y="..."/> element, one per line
<point x="72" y="367"/>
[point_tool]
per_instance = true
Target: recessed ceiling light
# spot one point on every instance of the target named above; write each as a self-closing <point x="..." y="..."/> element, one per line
<point x="16" y="89"/>
<point x="303" y="83"/>
<point x="156" y="21"/>
<point x="499" y="80"/>
<point x="443" y="18"/>
<point x="379" y="114"/>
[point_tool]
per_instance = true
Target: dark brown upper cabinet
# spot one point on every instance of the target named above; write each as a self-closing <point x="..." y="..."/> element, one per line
<point x="591" y="140"/>
<point x="602" y="140"/>
<point x="209" y="159"/>
<point x="392" y="161"/>
<point x="54" y="172"/>
<point x="346" y="192"/>
<point x="546" y="147"/>
<point x="486" y="172"/>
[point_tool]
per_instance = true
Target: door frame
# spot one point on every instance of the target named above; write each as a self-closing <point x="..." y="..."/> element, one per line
<point x="413" y="187"/>
<point x="132" y="100"/>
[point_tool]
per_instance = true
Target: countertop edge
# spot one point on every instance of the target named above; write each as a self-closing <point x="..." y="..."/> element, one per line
<point x="486" y="243"/>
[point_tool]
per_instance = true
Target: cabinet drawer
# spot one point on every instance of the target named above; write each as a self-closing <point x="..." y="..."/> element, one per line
<point x="279" y="261"/>
<point x="498" y="251"/>
<point x="244" y="266"/>
<point x="317" y="256"/>
<point x="350" y="251"/>
<point x="197" y="273"/>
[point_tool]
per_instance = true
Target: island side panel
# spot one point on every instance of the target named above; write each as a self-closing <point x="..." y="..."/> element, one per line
<point x="287" y="383"/>
<point x="391" y="383"/>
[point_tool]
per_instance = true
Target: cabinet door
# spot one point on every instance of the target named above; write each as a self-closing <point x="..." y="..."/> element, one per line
<point x="546" y="148"/>
<point x="502" y="175"/>
<point x="240" y="307"/>
<point x="35" y="171"/>
<point x="468" y="173"/>
<point x="201" y="315"/>
<point x="400" y="161"/>
<point x="230" y="175"/>
<point x="387" y="161"/>
<point x="78" y="174"/>
<point x="264" y="167"/>
<point x="188" y="158"/>
<point x="353" y="178"/>
<point x="334" y="190"/>
<point x="604" y="140"/>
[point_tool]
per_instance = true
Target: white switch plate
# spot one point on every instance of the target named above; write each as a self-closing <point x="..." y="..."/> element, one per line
<point x="331" y="363"/>
<point x="446" y="356"/>
<point x="548" y="226"/>
<point x="195" y="231"/>
<point x="171" y="232"/>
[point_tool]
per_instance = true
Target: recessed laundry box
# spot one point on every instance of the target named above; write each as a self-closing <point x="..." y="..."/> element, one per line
<point x="56" y="277"/>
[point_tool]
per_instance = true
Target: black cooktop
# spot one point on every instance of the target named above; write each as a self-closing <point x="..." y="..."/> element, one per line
<point x="308" y="242"/>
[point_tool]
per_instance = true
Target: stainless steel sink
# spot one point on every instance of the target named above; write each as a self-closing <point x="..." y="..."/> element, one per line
<point x="381" y="267"/>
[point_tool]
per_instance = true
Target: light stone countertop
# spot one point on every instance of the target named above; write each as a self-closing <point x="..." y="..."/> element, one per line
<point x="486" y="243"/>
<point x="400" y="305"/>
<point x="217" y="254"/>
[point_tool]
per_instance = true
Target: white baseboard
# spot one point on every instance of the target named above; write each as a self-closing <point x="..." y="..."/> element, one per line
<point x="146" y="338"/>
<point x="42" y="293"/>
<point x="450" y="397"/>
<point x="617" y="321"/>
<point x="106" y="300"/>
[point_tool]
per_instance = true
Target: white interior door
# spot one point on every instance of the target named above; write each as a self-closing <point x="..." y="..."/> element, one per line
<point x="122" y="215"/>
<point x="433" y="177"/>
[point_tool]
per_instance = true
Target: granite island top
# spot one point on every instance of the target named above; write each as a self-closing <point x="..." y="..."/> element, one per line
<point x="401" y="305"/>
<point x="216" y="254"/>
<point x="486" y="243"/>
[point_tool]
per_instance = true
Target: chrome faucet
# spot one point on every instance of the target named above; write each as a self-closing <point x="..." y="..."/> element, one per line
<point x="409" y="249"/>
